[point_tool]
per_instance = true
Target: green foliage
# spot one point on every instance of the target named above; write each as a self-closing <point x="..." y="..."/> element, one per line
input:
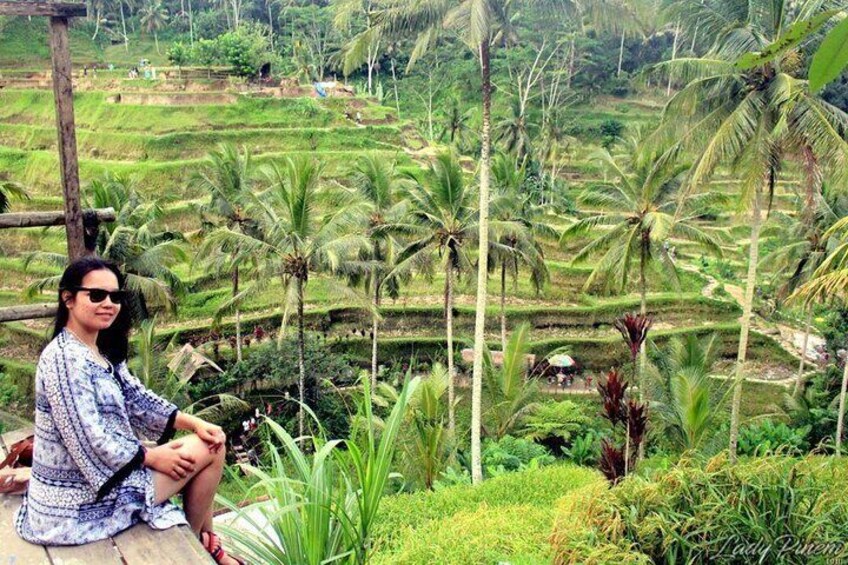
<point x="513" y="454"/>
<point x="429" y="451"/>
<point x="767" y="438"/>
<point x="514" y="534"/>
<point x="508" y="393"/>
<point x="687" y="407"/>
<point x="696" y="513"/>
<point x="243" y="50"/>
<point x="584" y="450"/>
<point x="799" y="31"/>
<point x="555" y="424"/>
<point x="179" y="54"/>
<point x="611" y="131"/>
<point x="206" y="52"/>
<point x="831" y="57"/>
<point x="278" y="366"/>
<point x="322" y="507"/>
<point x="8" y="391"/>
<point x="406" y="519"/>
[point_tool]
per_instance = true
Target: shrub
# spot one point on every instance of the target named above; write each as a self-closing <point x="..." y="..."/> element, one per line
<point x="768" y="438"/>
<point x="482" y="535"/>
<point x="585" y="449"/>
<point x="556" y="424"/>
<point x="698" y="513"/>
<point x="512" y="454"/>
<point x="279" y="366"/>
<point x="404" y="515"/>
<point x="323" y="502"/>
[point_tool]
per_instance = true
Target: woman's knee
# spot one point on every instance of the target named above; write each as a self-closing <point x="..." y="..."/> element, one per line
<point x="199" y="449"/>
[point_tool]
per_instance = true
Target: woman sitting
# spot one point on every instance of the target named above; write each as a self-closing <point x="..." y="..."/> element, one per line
<point x="91" y="476"/>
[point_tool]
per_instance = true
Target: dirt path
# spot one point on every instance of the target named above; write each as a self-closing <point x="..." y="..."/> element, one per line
<point x="789" y="337"/>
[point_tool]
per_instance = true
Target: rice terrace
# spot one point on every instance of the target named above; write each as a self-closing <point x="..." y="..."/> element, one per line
<point x="482" y="281"/>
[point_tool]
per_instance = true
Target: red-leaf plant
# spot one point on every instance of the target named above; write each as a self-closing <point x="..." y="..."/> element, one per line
<point x="632" y="415"/>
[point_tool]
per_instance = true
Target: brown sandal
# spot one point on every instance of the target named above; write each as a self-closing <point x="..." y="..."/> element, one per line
<point x="212" y="543"/>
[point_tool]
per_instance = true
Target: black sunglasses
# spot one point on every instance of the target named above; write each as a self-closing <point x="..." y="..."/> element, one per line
<point x="97" y="295"/>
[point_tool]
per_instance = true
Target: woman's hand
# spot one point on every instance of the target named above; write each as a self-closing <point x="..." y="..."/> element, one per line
<point x="170" y="460"/>
<point x="211" y="434"/>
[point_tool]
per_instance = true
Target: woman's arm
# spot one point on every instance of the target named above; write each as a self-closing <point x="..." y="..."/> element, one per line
<point x="210" y="433"/>
<point x="171" y="460"/>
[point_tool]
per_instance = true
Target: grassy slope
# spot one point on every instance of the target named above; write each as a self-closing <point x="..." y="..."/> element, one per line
<point x="24" y="44"/>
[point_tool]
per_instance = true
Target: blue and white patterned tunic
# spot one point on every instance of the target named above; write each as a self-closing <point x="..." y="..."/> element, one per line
<point x="88" y="479"/>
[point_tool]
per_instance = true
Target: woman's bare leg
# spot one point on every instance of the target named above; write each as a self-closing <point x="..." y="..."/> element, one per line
<point x="198" y="488"/>
<point x="199" y="494"/>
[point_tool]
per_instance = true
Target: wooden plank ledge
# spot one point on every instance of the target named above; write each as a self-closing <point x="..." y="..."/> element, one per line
<point x="140" y="545"/>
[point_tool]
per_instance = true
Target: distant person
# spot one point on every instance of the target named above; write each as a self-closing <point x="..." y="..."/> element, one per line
<point x="85" y="70"/>
<point x="91" y="475"/>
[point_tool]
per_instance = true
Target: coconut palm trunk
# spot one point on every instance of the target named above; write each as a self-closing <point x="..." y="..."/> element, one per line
<point x="301" y="363"/>
<point x="270" y="25"/>
<point x="643" y="310"/>
<point x="190" y="23"/>
<point x="238" y="314"/>
<point x="799" y="380"/>
<point x="620" y="55"/>
<point x="482" y="268"/>
<point x="673" y="56"/>
<point x="503" y="306"/>
<point x="124" y="27"/>
<point x="747" y="308"/>
<point x="840" y="422"/>
<point x="449" y="331"/>
<point x="374" y="328"/>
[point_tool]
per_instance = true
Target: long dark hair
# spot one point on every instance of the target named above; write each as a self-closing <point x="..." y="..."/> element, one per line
<point x="113" y="342"/>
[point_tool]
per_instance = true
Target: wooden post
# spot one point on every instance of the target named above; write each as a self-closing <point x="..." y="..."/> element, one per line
<point x="63" y="94"/>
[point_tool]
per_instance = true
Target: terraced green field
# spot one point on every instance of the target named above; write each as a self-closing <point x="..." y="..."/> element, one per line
<point x="162" y="143"/>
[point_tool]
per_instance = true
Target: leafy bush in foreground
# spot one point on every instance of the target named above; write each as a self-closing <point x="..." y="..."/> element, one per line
<point x="405" y="517"/>
<point x="512" y="454"/>
<point x="768" y="438"/>
<point x="482" y="535"/>
<point x="707" y="514"/>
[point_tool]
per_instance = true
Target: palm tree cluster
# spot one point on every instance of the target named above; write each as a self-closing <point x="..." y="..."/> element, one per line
<point x="286" y="222"/>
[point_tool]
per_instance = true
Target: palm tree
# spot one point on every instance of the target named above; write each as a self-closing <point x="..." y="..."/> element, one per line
<point x="144" y="253"/>
<point x="456" y="128"/>
<point x="637" y="220"/>
<point x="9" y="190"/>
<point x="301" y="228"/>
<point x="509" y="393"/>
<point x="365" y="46"/>
<point x="751" y="111"/>
<point x="444" y="222"/>
<point x="517" y="223"/>
<point x="427" y="412"/>
<point x="830" y="283"/>
<point x="515" y="132"/>
<point x="227" y="176"/>
<point x="380" y="185"/>
<point x="480" y="24"/>
<point x="682" y="394"/>
<point x="636" y="217"/>
<point x="153" y="17"/>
